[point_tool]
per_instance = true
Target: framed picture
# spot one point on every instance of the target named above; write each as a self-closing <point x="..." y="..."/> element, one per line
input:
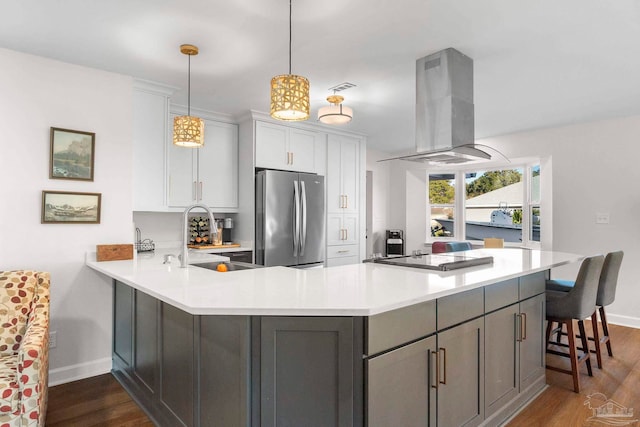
<point x="65" y="207"/>
<point x="72" y="154"/>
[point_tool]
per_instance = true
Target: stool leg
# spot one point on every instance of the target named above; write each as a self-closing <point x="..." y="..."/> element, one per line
<point x="585" y="346"/>
<point x="559" y="333"/>
<point x="596" y="338"/>
<point x="571" y="336"/>
<point x="605" y="330"/>
<point x="548" y="335"/>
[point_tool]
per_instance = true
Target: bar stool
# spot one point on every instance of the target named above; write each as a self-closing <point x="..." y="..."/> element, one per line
<point x="606" y="295"/>
<point x="438" y="247"/>
<point x="458" y="246"/>
<point x="579" y="303"/>
<point x="493" y="242"/>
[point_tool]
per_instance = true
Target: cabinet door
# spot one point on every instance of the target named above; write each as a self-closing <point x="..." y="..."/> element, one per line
<point x="501" y="358"/>
<point x="399" y="386"/>
<point x="350" y="226"/>
<point x="532" y="351"/>
<point x="334" y="179"/>
<point x="306" y="371"/>
<point x="272" y="143"/>
<point x="181" y="167"/>
<point x="150" y="113"/>
<point x="334" y="230"/>
<point x="302" y="148"/>
<point x="218" y="166"/>
<point x="461" y="375"/>
<point x="349" y="167"/>
<point x="123" y="326"/>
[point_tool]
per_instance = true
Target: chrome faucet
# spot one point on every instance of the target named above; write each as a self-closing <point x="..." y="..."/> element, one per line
<point x="185" y="223"/>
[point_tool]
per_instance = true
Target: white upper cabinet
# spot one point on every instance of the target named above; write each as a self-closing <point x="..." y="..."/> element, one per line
<point x="285" y="148"/>
<point x="150" y="116"/>
<point x="342" y="174"/>
<point x="207" y="175"/>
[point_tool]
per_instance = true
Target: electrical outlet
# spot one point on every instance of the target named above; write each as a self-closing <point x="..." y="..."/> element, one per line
<point x="53" y="339"/>
<point x="602" y="218"/>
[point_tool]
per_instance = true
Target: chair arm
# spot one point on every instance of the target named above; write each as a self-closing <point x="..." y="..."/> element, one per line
<point x="33" y="369"/>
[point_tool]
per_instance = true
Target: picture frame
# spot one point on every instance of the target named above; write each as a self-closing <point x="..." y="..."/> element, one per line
<point x="72" y="154"/>
<point x="66" y="207"/>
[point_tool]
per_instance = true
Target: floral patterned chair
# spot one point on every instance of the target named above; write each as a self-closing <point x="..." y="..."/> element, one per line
<point x="24" y="347"/>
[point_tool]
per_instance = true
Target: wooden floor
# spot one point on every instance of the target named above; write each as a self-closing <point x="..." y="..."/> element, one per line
<point x="101" y="401"/>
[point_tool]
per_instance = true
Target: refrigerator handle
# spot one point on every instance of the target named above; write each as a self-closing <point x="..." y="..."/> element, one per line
<point x="303" y="239"/>
<point x="296" y="218"/>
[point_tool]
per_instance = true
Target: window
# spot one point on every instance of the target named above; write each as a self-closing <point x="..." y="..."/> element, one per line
<point x="442" y="196"/>
<point x="502" y="203"/>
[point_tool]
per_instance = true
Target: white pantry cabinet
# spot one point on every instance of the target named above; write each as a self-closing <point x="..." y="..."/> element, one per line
<point x="286" y="148"/>
<point x="206" y="175"/>
<point x="150" y="117"/>
<point x="343" y="207"/>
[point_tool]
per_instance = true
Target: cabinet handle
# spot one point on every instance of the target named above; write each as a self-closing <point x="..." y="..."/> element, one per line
<point x="194" y="191"/>
<point x="437" y="357"/>
<point x="444" y="366"/>
<point x="346" y="234"/>
<point x="518" y="328"/>
<point x="200" y="191"/>
<point x="292" y="157"/>
<point x="343" y="252"/>
<point x="523" y="326"/>
<point x="346" y="201"/>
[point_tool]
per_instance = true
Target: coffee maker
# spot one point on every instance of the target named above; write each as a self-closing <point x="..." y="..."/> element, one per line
<point x="394" y="243"/>
<point x="226" y="231"/>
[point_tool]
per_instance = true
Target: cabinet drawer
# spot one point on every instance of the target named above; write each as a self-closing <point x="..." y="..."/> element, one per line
<point x="500" y="295"/>
<point x="393" y="328"/>
<point x="458" y="308"/>
<point x="532" y="285"/>
<point x="342" y="251"/>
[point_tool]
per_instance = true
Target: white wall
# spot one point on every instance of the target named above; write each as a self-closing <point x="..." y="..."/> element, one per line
<point x="379" y="203"/>
<point x="37" y="94"/>
<point x="594" y="170"/>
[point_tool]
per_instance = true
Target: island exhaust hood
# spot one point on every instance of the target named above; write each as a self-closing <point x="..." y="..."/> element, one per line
<point x="444" y="110"/>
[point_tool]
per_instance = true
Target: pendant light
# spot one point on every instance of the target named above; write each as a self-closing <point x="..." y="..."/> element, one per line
<point x="336" y="113"/>
<point x="289" y="93"/>
<point x="188" y="131"/>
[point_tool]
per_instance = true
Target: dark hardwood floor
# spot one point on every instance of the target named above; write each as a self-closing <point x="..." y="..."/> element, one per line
<point x="101" y="401"/>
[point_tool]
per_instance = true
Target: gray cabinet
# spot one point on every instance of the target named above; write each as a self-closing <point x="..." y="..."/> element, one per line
<point x="184" y="370"/>
<point x="306" y="371"/>
<point x="239" y="256"/>
<point x="532" y="350"/>
<point x="502" y="361"/>
<point x="460" y="375"/>
<point x="399" y="386"/>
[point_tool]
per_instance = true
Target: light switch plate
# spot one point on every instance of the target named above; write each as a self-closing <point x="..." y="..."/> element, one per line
<point x="602" y="218"/>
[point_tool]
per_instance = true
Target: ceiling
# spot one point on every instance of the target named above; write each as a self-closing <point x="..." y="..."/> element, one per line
<point x="536" y="64"/>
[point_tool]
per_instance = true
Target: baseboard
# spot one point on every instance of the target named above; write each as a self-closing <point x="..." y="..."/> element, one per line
<point x="80" y="371"/>
<point x="617" y="319"/>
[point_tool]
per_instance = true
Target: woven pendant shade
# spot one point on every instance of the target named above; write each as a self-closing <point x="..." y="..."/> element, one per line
<point x="289" y="97"/>
<point x="188" y="131"/>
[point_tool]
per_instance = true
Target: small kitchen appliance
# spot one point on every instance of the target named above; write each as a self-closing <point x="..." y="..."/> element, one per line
<point x="226" y="231"/>
<point x="394" y="243"/>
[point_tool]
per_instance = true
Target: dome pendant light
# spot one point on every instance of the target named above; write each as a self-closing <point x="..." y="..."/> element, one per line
<point x="289" y="93"/>
<point x="336" y="113"/>
<point x="188" y="131"/>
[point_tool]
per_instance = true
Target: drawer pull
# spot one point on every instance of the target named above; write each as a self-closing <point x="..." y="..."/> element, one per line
<point x="437" y="358"/>
<point x="444" y="366"/>
<point x="343" y="252"/>
<point x="523" y="326"/>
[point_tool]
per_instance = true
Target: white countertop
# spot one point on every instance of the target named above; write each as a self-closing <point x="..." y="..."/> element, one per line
<point x="350" y="290"/>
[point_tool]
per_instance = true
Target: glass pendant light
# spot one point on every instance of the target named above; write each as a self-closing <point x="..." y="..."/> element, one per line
<point x="289" y="92"/>
<point x="188" y="131"/>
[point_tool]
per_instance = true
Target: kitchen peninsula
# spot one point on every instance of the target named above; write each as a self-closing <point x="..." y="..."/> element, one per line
<point x="354" y="345"/>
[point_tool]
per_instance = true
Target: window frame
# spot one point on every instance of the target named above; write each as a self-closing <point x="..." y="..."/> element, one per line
<point x="460" y="198"/>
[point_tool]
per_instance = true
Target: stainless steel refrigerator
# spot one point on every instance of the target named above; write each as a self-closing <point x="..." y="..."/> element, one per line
<point x="289" y="219"/>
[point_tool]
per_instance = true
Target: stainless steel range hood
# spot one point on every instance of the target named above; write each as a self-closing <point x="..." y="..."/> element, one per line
<point x="444" y="110"/>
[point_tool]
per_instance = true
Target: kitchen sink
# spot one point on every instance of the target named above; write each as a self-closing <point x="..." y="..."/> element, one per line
<point x="231" y="265"/>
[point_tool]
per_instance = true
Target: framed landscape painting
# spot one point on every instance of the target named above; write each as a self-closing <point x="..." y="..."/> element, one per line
<point x="72" y="154"/>
<point x="65" y="207"/>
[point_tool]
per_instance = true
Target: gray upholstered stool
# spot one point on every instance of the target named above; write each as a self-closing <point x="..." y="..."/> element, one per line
<point x="606" y="295"/>
<point x="579" y="303"/>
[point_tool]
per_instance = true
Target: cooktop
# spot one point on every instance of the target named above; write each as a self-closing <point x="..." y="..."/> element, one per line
<point x="441" y="262"/>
